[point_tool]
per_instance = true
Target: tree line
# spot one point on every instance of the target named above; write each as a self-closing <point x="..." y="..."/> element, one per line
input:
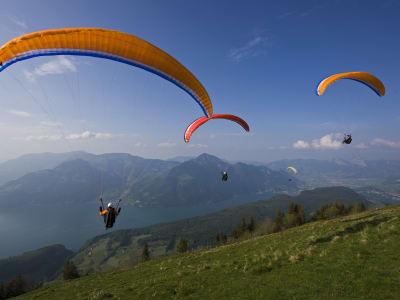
<point x="295" y="216"/>
<point x="19" y="285"/>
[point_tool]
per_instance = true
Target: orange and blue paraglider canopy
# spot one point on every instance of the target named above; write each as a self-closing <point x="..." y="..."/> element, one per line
<point x="365" y="78"/>
<point x="109" y="44"/>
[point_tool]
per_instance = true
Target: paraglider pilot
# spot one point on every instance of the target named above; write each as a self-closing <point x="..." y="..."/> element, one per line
<point x="347" y="139"/>
<point x="109" y="214"/>
<point x="224" y="176"/>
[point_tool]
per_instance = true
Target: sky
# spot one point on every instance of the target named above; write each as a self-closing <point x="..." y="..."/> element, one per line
<point x="260" y="60"/>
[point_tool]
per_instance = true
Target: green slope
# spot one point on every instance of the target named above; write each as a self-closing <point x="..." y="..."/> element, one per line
<point x="354" y="257"/>
<point x="119" y="248"/>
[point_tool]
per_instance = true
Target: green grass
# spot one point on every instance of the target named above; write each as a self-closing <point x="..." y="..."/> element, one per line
<point x="354" y="257"/>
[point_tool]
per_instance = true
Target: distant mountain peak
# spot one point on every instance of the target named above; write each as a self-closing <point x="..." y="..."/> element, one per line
<point x="207" y="158"/>
<point x="73" y="163"/>
<point x="180" y="159"/>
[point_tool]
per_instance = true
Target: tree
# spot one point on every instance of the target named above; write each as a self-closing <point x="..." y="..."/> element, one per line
<point x="224" y="238"/>
<point x="361" y="207"/>
<point x="341" y="208"/>
<point x="145" y="252"/>
<point x="292" y="208"/>
<point x="266" y="226"/>
<point x="301" y="215"/>
<point x="182" y="246"/>
<point x="242" y="225"/>
<point x="235" y="233"/>
<point x="70" y="271"/>
<point x="278" y="221"/>
<point x="290" y="220"/>
<point x="350" y="209"/>
<point x="218" y="238"/>
<point x="2" y="291"/>
<point x="16" y="287"/>
<point x="251" y="225"/>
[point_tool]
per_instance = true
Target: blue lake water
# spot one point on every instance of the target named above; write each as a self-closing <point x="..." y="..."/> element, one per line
<point x="29" y="228"/>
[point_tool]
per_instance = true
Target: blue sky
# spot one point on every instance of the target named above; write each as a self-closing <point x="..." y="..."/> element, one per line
<point x="260" y="60"/>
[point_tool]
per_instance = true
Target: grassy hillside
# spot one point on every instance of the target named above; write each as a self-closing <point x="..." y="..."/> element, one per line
<point x="122" y="247"/>
<point x="354" y="257"/>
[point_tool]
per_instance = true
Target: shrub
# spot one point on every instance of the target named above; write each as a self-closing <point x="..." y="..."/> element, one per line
<point x="70" y="271"/>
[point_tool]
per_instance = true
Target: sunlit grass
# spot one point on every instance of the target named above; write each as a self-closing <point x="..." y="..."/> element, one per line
<point x="354" y="257"/>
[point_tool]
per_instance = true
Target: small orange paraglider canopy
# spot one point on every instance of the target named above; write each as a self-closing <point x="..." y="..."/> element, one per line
<point x="366" y="78"/>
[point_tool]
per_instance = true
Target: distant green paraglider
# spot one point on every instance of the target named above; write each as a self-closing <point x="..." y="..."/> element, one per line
<point x="293" y="169"/>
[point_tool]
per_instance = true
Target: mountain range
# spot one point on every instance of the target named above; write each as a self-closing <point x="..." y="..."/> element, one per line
<point x="54" y="198"/>
<point x="357" y="172"/>
<point x="144" y="182"/>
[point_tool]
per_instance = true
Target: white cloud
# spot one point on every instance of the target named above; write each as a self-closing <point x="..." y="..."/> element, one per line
<point x="18" y="22"/>
<point x="301" y="145"/>
<point x="330" y="141"/>
<point x="73" y="136"/>
<point x="104" y="135"/>
<point x="306" y="13"/>
<point x="285" y="15"/>
<point x="19" y="113"/>
<point x="361" y="146"/>
<point x="29" y="76"/>
<point x="43" y="138"/>
<point x="57" y="66"/>
<point x="198" y="146"/>
<point x="88" y="135"/>
<point x="214" y="135"/>
<point x="140" y="144"/>
<point x="166" y="145"/>
<point x="383" y="142"/>
<point x="250" y="49"/>
<point x="50" y="123"/>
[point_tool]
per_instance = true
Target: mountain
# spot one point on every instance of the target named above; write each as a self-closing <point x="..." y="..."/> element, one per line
<point x="354" y="173"/>
<point x="305" y="262"/>
<point x="180" y="159"/>
<point x="124" y="246"/>
<point x="73" y="182"/>
<point x="153" y="182"/>
<point x="35" y="266"/>
<point x="145" y="182"/>
<point x="199" y="181"/>
<point x="50" y="205"/>
<point x="82" y="181"/>
<point x="16" y="168"/>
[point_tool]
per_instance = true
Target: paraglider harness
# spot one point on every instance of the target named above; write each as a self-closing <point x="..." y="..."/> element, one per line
<point x="347" y="139"/>
<point x="110" y="213"/>
<point x="224" y="176"/>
